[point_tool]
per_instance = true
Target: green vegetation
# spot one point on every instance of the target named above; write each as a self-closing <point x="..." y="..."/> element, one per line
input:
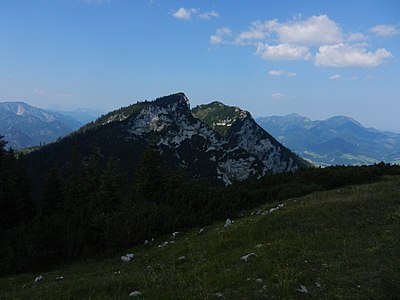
<point x="90" y="208"/>
<point x="341" y="244"/>
<point x="219" y="116"/>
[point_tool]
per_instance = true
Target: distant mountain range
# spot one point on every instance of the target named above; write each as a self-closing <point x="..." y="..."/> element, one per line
<point x="335" y="141"/>
<point x="214" y="141"/>
<point x="23" y="125"/>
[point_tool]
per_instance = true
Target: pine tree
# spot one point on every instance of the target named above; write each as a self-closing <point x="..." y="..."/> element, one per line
<point x="16" y="205"/>
<point x="150" y="175"/>
<point x="53" y="192"/>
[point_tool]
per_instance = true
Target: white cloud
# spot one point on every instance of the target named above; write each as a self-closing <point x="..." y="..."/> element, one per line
<point x="220" y="35"/>
<point x="335" y="77"/>
<point x="316" y="30"/>
<point x="385" y="30"/>
<point x="188" y="13"/>
<point x="279" y="96"/>
<point x="257" y="31"/>
<point x="282" y="52"/>
<point x="184" y="14"/>
<point x="281" y="73"/>
<point x="344" y="55"/>
<point x="354" y="37"/>
<point x="316" y="38"/>
<point x="209" y="14"/>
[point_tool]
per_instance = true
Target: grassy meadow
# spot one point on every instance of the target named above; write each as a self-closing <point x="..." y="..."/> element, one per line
<point x="338" y="244"/>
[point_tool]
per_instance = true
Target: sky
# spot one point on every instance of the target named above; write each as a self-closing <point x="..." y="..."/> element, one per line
<point x="317" y="58"/>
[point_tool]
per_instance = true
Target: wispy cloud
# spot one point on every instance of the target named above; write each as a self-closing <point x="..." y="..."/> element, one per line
<point x="184" y="13"/>
<point x="188" y="13"/>
<point x="209" y="14"/>
<point x="335" y="77"/>
<point x="220" y="36"/>
<point x="385" y="30"/>
<point x="39" y="92"/>
<point x="281" y="73"/>
<point x="279" y="96"/>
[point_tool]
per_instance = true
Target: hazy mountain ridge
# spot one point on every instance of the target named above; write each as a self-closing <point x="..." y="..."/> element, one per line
<point x="24" y="125"/>
<point x="337" y="140"/>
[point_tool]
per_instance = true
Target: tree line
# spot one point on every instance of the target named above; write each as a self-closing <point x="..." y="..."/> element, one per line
<point x="89" y="206"/>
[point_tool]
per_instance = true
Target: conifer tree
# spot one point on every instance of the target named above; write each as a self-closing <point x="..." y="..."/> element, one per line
<point x="53" y="193"/>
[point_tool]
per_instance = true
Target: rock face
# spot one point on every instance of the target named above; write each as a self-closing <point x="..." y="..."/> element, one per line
<point x="232" y="147"/>
<point x="238" y="150"/>
<point x="24" y="125"/>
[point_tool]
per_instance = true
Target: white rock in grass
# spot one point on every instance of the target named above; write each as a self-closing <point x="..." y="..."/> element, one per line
<point x="228" y="223"/>
<point x="219" y="295"/>
<point x="201" y="230"/>
<point x="302" y="289"/>
<point x="181" y="257"/>
<point x="259" y="280"/>
<point x="59" y="278"/>
<point x="246" y="257"/>
<point x="135" y="294"/>
<point x="39" y="279"/>
<point x="127" y="257"/>
<point x="175" y="234"/>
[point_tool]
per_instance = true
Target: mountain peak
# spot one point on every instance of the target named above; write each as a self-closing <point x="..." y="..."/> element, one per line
<point x="219" y="116"/>
<point x="178" y="98"/>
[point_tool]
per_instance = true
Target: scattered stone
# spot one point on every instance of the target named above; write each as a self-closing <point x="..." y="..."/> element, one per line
<point x="318" y="285"/>
<point x="248" y="279"/>
<point x="117" y="272"/>
<point x="259" y="280"/>
<point x="219" y="295"/>
<point x="135" y="294"/>
<point x="165" y="244"/>
<point x="358" y="286"/>
<point x="246" y="257"/>
<point x="302" y="289"/>
<point x="127" y="257"/>
<point x="228" y="223"/>
<point x="59" y="278"/>
<point x="175" y="234"/>
<point x="201" y="230"/>
<point x="273" y="209"/>
<point x="264" y="287"/>
<point x="182" y="257"/>
<point x="39" y="279"/>
<point x="258" y="246"/>
<point x="146" y="242"/>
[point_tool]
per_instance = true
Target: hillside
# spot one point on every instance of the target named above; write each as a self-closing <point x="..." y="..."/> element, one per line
<point x="184" y="141"/>
<point x="24" y="125"/>
<point x="335" y="141"/>
<point x="337" y="244"/>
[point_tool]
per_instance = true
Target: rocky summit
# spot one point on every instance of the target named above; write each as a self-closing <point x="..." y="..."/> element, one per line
<point x="214" y="141"/>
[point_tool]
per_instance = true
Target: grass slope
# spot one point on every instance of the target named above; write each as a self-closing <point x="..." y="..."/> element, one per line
<point x="337" y="244"/>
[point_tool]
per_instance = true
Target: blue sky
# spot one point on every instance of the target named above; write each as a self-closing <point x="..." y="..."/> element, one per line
<point x="316" y="58"/>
